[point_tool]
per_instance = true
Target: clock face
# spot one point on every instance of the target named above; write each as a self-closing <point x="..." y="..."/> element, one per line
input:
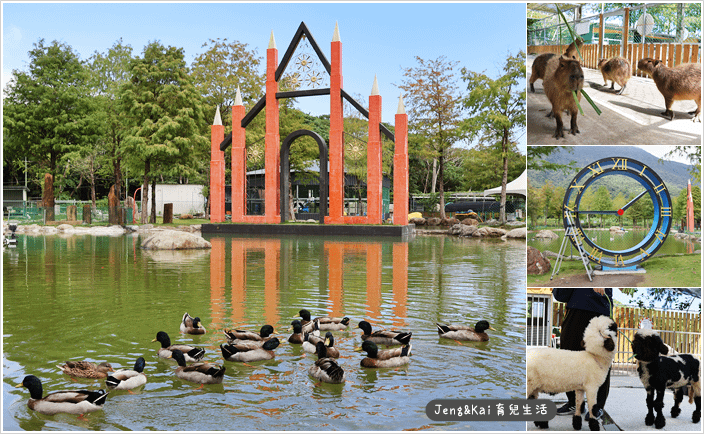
<point x="618" y="193"/>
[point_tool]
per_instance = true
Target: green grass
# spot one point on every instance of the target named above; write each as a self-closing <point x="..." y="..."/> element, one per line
<point x="662" y="271"/>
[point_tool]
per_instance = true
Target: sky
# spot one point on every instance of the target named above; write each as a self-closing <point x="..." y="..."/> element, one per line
<point x="625" y="299"/>
<point x="377" y="38"/>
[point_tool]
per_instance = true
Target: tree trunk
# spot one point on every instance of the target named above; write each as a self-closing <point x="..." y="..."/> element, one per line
<point x="145" y="192"/>
<point x="504" y="177"/>
<point x="291" y="210"/>
<point x="152" y="219"/>
<point x="442" y="185"/>
<point x="434" y="174"/>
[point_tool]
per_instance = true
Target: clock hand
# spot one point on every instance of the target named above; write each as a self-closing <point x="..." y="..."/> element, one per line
<point x="596" y="212"/>
<point x="626" y="206"/>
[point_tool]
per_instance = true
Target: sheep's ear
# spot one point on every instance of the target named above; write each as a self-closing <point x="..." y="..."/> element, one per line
<point x="583" y="344"/>
<point x="663" y="349"/>
<point x="609" y="344"/>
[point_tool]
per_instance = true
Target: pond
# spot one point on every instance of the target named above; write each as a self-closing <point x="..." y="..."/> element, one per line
<point x="104" y="299"/>
<point x="613" y="241"/>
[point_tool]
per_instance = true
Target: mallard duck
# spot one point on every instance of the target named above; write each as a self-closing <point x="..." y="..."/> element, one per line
<point x="324" y="322"/>
<point x="384" y="337"/>
<point x="126" y="379"/>
<point x="243" y="353"/>
<point x="391" y="358"/>
<point x="191" y="326"/>
<point x="201" y="372"/>
<point x="326" y="369"/>
<point x="85" y="369"/>
<point x="297" y="335"/>
<point x="311" y="342"/>
<point x="73" y="402"/>
<point x="465" y="333"/>
<point x="192" y="354"/>
<point x="243" y="335"/>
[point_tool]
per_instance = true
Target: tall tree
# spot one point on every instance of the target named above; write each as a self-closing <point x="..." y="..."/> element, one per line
<point x="165" y="113"/>
<point x="109" y="72"/>
<point x="433" y="105"/>
<point x="48" y="110"/>
<point x="497" y="111"/>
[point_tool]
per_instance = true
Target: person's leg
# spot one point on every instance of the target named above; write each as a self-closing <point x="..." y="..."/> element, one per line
<point x="571" y="336"/>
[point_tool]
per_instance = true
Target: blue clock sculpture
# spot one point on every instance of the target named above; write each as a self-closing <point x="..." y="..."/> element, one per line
<point x="599" y="246"/>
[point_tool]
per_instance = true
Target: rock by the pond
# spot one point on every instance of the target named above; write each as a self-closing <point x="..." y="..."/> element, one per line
<point x="174" y="240"/>
<point x="517" y="233"/>
<point x="449" y="221"/>
<point x="547" y="234"/>
<point x="489" y="232"/>
<point x="418" y="221"/>
<point x="537" y="263"/>
<point x="433" y="221"/>
<point x="461" y="230"/>
<point x="470" y="222"/>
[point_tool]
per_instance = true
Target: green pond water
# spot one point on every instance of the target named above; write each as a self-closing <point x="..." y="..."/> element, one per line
<point x="104" y="299"/>
<point x="613" y="241"/>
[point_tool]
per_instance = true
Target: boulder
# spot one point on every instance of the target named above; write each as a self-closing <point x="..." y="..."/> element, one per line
<point x="174" y="240"/>
<point x="64" y="228"/>
<point x="517" y="233"/>
<point x="449" y="222"/>
<point x="461" y="230"/>
<point x="536" y="262"/>
<point x="433" y="221"/>
<point x="547" y="234"/>
<point x="470" y="222"/>
<point x="418" y="221"/>
<point x="489" y="232"/>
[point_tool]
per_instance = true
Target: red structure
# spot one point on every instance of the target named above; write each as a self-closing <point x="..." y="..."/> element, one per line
<point x="690" y="208"/>
<point x="276" y="155"/>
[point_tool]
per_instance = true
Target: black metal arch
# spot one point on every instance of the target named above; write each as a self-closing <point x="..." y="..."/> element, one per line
<point x="286" y="172"/>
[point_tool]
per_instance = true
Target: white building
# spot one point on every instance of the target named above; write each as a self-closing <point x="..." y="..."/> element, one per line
<point x="187" y="198"/>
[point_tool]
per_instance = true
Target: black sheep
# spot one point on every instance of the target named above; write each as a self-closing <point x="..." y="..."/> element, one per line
<point x="658" y="372"/>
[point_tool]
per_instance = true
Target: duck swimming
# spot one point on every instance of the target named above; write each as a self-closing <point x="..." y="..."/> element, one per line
<point x="191" y="326"/>
<point x="326" y="369"/>
<point x="384" y="337"/>
<point x="390" y="358"/>
<point x="465" y="333"/>
<point x="72" y="402"/>
<point x="127" y="379"/>
<point x="192" y="354"/>
<point x="85" y="369"/>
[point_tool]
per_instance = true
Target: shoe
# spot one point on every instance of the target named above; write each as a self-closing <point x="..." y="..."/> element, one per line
<point x="568" y="409"/>
<point x="598" y="416"/>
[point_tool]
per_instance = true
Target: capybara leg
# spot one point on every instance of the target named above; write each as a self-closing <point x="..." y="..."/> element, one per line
<point x="697" y="112"/>
<point x="612" y="84"/>
<point x="573" y="124"/>
<point x="606" y="82"/>
<point x="532" y="80"/>
<point x="558" y="129"/>
<point x="668" y="113"/>
<point x="623" y="87"/>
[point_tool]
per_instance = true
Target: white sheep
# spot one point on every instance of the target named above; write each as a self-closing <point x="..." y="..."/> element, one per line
<point x="552" y="370"/>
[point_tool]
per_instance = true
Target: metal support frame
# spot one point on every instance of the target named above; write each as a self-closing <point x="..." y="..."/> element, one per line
<point x="570" y="232"/>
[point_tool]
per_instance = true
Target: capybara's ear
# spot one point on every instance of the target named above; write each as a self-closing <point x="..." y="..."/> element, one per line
<point x="655" y="62"/>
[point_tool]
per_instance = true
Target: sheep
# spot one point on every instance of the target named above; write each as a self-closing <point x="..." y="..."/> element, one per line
<point x="552" y="370"/>
<point x="658" y="373"/>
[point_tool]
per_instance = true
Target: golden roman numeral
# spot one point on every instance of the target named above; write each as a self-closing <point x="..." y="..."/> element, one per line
<point x="596" y="251"/>
<point x="618" y="258"/>
<point x="659" y="188"/>
<point x="659" y="235"/>
<point x="596" y="171"/>
<point x="644" y="253"/>
<point x="643" y="170"/>
<point x="623" y="162"/>
<point x="578" y="187"/>
<point x="666" y="212"/>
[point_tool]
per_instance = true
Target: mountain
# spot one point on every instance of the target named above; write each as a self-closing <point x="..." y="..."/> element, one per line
<point x="675" y="175"/>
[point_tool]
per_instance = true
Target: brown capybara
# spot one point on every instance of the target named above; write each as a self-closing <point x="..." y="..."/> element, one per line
<point x="683" y="82"/>
<point x="540" y="63"/>
<point x="616" y="69"/>
<point x="559" y="85"/>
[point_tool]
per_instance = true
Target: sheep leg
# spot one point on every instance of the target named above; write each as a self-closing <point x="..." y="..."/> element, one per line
<point x="679" y="395"/>
<point x="658" y="405"/>
<point x="543" y="424"/>
<point x="577" y="418"/>
<point x="697" y="414"/>
<point x="650" y="417"/>
<point x="593" y="407"/>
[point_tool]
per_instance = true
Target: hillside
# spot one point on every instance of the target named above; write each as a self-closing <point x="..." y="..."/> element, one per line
<point x="675" y="175"/>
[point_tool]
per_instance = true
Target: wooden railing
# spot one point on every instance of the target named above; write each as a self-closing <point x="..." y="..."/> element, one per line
<point x="671" y="54"/>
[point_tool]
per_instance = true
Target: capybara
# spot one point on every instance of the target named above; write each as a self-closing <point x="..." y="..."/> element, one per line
<point x="559" y="84"/>
<point x="541" y="62"/>
<point x="683" y="82"/>
<point x="616" y="69"/>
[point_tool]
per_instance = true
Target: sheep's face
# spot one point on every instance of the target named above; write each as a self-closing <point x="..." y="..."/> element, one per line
<point x="600" y="336"/>
<point x="647" y="345"/>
